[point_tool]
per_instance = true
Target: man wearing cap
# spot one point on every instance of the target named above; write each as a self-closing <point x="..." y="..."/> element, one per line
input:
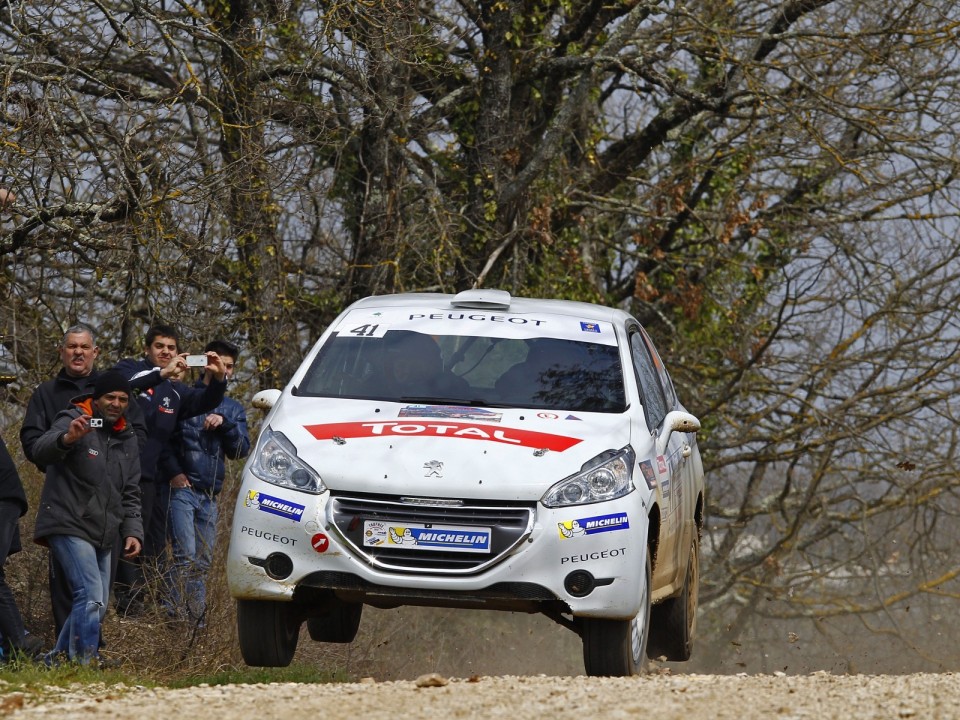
<point x="78" y="356"/>
<point x="90" y="495"/>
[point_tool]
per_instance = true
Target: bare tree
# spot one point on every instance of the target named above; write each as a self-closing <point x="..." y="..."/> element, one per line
<point x="771" y="188"/>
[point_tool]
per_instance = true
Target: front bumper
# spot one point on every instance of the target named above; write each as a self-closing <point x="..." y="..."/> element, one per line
<point x="290" y="546"/>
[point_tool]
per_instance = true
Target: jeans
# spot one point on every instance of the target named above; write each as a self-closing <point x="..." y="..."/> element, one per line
<point x="88" y="571"/>
<point x="193" y="529"/>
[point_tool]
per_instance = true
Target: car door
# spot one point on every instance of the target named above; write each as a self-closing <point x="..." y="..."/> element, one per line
<point x="658" y="399"/>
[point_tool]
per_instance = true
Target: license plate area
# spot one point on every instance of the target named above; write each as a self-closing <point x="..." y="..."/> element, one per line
<point x="491" y="531"/>
<point x="427" y="537"/>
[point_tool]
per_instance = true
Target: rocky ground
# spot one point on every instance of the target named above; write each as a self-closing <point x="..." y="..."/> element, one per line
<point x="741" y="697"/>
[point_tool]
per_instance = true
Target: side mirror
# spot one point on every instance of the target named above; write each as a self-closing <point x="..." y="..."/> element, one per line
<point x="266" y="399"/>
<point x="676" y="421"/>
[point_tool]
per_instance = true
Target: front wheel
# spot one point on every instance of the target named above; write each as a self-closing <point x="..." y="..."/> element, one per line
<point x="618" y="647"/>
<point x="268" y="632"/>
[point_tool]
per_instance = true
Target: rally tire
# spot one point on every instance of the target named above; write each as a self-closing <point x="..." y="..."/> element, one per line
<point x="618" y="648"/>
<point x="268" y="632"/>
<point x="340" y="625"/>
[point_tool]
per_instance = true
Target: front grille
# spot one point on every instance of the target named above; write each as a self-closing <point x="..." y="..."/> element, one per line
<point x="509" y="525"/>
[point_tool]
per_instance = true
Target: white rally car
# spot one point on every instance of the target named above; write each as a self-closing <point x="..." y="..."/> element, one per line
<point x="479" y="451"/>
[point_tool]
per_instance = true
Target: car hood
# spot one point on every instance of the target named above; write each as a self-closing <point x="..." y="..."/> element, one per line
<point x="444" y="451"/>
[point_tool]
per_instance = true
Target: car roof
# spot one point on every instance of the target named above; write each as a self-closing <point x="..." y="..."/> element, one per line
<point x="495" y="301"/>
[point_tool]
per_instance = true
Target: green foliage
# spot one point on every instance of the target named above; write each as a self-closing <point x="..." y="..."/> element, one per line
<point x="45" y="684"/>
<point x="39" y="681"/>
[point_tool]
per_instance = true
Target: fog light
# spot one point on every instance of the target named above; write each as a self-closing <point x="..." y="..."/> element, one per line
<point x="579" y="583"/>
<point x="278" y="566"/>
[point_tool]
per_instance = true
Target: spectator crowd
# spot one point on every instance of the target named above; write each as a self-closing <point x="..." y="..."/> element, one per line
<point x="133" y="459"/>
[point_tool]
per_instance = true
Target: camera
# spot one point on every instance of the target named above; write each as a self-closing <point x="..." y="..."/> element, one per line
<point x="95" y="422"/>
<point x="196" y="360"/>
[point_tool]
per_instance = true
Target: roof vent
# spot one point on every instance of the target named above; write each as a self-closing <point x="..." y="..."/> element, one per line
<point x="482" y="299"/>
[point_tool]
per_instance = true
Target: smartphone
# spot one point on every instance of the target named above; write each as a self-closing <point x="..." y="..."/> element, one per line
<point x="196" y="360"/>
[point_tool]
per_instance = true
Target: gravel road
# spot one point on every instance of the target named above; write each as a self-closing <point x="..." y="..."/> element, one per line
<point x="739" y="697"/>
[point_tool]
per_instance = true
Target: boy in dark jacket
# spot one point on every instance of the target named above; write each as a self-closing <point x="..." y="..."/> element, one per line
<point x="90" y="497"/>
<point x="164" y="400"/>
<point x="200" y="447"/>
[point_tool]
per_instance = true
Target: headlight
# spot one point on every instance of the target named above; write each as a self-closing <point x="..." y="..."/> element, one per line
<point x="606" y="477"/>
<point x="275" y="461"/>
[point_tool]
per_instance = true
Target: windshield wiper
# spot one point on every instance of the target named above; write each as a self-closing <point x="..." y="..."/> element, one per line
<point x="434" y="400"/>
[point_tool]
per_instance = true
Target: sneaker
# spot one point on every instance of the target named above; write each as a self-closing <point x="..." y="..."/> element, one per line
<point x="54" y="659"/>
<point x="131" y="607"/>
<point x="31" y="647"/>
<point x="109" y="663"/>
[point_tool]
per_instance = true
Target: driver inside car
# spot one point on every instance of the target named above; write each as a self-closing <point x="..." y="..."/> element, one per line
<point x="414" y="368"/>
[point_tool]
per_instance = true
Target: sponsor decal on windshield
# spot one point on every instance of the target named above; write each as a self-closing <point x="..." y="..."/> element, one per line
<point x="593" y="525"/>
<point x="375" y="323"/>
<point x="455" y="430"/>
<point x="450" y="411"/>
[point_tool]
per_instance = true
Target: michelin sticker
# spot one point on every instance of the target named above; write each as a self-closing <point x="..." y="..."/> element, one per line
<point x="593" y="525"/>
<point x="451" y="538"/>
<point x="274" y="505"/>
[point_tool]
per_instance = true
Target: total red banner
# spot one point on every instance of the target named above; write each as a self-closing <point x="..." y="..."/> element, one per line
<point x="457" y="430"/>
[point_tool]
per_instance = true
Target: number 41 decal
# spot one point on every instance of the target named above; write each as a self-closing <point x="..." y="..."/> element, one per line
<point x="368" y="330"/>
<point x="365" y="330"/>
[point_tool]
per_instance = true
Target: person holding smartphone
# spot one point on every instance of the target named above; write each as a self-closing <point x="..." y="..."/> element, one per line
<point x="201" y="446"/>
<point x="156" y="382"/>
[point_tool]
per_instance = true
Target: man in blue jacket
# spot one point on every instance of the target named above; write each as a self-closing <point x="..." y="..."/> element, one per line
<point x="156" y="382"/>
<point x="201" y="445"/>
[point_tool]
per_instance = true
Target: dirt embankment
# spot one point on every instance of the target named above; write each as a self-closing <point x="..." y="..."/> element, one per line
<point x="686" y="697"/>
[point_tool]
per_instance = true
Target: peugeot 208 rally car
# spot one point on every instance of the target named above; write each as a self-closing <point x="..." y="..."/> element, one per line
<point x="479" y="451"/>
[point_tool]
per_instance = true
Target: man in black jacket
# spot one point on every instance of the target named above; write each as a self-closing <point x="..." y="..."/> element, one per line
<point x="13" y="504"/>
<point x="78" y="356"/>
<point x="91" y="495"/>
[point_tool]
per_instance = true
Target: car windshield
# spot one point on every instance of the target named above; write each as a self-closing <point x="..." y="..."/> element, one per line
<point x="405" y="366"/>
